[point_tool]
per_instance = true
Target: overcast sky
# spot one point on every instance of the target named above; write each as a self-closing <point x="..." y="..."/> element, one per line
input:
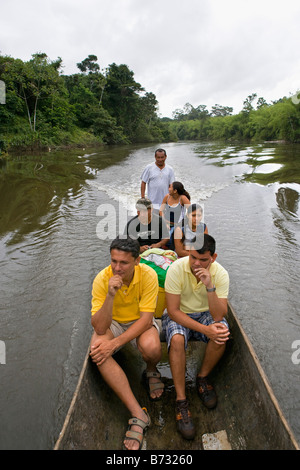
<point x="184" y="51"/>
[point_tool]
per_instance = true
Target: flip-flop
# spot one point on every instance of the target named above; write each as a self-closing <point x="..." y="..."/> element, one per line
<point x="135" y="435"/>
<point x="153" y="386"/>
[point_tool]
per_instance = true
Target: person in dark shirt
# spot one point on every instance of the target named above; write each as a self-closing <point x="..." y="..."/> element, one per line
<point x="148" y="228"/>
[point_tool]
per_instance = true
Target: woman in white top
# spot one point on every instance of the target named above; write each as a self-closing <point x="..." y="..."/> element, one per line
<point x="174" y="206"/>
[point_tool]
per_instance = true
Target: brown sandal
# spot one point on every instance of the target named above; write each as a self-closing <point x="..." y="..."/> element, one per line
<point x="135" y="435"/>
<point x="153" y="386"/>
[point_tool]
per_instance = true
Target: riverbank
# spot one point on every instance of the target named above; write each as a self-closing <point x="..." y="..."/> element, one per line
<point x="25" y="142"/>
<point x="46" y="109"/>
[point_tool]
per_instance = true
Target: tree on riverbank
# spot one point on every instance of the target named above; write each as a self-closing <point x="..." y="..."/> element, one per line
<point x="37" y="110"/>
<point x="277" y="121"/>
<point x="45" y="108"/>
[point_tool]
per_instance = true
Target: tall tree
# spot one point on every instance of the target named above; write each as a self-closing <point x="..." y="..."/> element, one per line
<point x="261" y="102"/>
<point x="121" y="97"/>
<point x="190" y="113"/>
<point x="218" y="110"/>
<point x="38" y="85"/>
<point x="40" y="80"/>
<point x="247" y="104"/>
<point x="89" y="64"/>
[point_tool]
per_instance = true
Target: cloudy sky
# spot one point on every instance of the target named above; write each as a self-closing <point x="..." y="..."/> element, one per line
<point x="184" y="51"/>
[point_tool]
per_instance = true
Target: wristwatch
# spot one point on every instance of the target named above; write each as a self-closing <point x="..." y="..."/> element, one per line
<point x="213" y="289"/>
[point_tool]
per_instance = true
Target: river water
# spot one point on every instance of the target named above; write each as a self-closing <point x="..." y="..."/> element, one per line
<point x="56" y="208"/>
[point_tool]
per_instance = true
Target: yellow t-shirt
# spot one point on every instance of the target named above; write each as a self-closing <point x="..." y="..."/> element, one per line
<point x="193" y="296"/>
<point x="139" y="296"/>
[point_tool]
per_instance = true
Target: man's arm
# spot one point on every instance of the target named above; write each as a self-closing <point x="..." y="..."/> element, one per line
<point x="143" y="188"/>
<point x="160" y="243"/>
<point x="218" y="332"/>
<point x="105" y="345"/>
<point x="102" y="319"/>
<point x="218" y="307"/>
<point x="173" y="307"/>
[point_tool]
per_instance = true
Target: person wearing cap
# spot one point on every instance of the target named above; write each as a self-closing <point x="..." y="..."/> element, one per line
<point x="157" y="176"/>
<point x="147" y="227"/>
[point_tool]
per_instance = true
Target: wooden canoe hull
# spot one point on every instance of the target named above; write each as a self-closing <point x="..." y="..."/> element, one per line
<point x="247" y="414"/>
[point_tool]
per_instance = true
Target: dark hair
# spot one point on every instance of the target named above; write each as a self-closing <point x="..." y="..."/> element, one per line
<point x="177" y="186"/>
<point x="129" y="245"/>
<point x="160" y="150"/>
<point x="209" y="244"/>
<point x="193" y="208"/>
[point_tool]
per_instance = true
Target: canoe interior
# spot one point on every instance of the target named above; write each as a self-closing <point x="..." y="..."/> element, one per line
<point x="247" y="410"/>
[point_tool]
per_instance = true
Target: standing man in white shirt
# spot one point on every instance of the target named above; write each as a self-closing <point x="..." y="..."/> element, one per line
<point x="158" y="176"/>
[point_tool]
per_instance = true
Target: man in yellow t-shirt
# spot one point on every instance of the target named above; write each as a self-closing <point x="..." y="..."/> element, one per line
<point x="196" y="293"/>
<point x="124" y="297"/>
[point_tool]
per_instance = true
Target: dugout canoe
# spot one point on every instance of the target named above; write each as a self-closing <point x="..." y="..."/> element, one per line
<point x="247" y="417"/>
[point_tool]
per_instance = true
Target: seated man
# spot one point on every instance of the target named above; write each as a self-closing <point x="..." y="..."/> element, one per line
<point x="124" y="299"/>
<point x="148" y="228"/>
<point x="196" y="293"/>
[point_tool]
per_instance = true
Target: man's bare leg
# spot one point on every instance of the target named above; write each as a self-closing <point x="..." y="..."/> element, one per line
<point x="115" y="377"/>
<point x="150" y="348"/>
<point x="213" y="354"/>
<point x="117" y="380"/>
<point x="177" y="363"/>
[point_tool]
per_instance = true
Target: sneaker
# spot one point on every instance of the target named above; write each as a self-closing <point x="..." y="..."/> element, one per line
<point x="184" y="422"/>
<point x="206" y="392"/>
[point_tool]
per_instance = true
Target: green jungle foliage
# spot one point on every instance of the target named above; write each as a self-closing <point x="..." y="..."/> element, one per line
<point x="277" y="121"/>
<point x="45" y="108"/>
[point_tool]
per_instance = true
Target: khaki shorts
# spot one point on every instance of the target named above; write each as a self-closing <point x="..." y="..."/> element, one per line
<point x="118" y="328"/>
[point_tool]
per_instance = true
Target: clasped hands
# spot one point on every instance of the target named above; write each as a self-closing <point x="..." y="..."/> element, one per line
<point x="218" y="333"/>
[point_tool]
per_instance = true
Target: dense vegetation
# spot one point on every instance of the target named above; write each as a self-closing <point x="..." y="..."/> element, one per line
<point x="257" y="121"/>
<point x="45" y="108"/>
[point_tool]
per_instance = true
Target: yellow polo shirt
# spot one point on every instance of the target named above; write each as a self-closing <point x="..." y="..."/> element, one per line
<point x="139" y="296"/>
<point x="193" y="296"/>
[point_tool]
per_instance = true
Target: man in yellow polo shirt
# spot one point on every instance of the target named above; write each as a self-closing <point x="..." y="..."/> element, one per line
<point x="124" y="299"/>
<point x="196" y="293"/>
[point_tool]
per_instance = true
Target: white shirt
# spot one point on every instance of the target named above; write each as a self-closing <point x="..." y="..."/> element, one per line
<point x="158" y="181"/>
